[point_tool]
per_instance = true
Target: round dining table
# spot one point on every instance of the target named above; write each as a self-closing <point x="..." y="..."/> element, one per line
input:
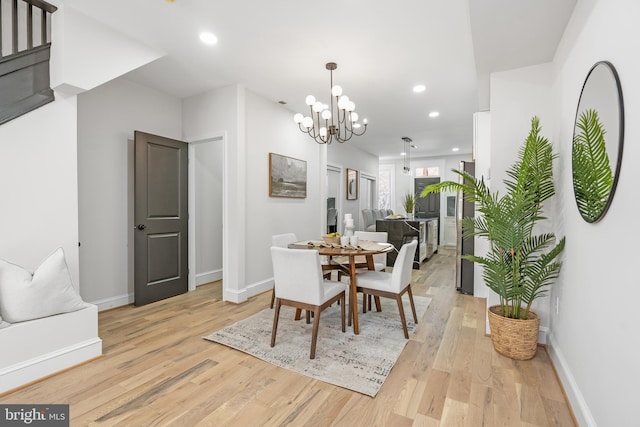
<point x="353" y="257"/>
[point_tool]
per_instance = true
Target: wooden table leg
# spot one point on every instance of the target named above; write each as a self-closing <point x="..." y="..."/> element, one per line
<point x="353" y="299"/>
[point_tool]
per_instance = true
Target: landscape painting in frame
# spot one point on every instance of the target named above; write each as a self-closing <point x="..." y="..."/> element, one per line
<point x="287" y="177"/>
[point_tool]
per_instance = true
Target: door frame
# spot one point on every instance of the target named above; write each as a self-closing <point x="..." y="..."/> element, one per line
<point x="192" y="232"/>
<point x="335" y="169"/>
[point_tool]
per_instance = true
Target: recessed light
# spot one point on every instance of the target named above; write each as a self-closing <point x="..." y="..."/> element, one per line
<point x="208" y="38"/>
<point x="357" y="125"/>
<point x="419" y="88"/>
<point x="455" y="149"/>
<point x="434" y="114"/>
<point x="403" y="154"/>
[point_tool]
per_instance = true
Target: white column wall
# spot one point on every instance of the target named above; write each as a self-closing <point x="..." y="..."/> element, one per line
<point x="220" y="112"/>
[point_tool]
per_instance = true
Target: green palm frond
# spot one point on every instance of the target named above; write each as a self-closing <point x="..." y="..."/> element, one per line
<point x="519" y="266"/>
<point x="592" y="175"/>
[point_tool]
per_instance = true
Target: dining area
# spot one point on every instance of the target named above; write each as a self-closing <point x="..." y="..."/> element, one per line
<point x="312" y="275"/>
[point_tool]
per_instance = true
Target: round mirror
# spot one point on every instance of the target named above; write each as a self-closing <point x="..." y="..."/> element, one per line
<point x="598" y="136"/>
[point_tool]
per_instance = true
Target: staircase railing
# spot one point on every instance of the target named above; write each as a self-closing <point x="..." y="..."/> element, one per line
<point x="24" y="61"/>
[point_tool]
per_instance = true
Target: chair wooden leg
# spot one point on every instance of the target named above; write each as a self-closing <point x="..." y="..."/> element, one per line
<point x="276" y="314"/>
<point x="342" y="312"/>
<point x="402" y="318"/>
<point x="413" y="307"/>
<point x="314" y="334"/>
<point x="364" y="303"/>
<point x="273" y="297"/>
<point x="308" y="316"/>
<point x="378" y="305"/>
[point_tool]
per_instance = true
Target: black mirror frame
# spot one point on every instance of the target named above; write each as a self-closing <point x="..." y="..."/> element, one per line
<point x="616" y="174"/>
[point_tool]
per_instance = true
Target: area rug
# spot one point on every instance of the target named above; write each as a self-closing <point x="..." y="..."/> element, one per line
<point x="357" y="362"/>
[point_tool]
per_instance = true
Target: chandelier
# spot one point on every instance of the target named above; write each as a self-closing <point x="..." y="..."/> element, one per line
<point x="406" y="163"/>
<point x="326" y="124"/>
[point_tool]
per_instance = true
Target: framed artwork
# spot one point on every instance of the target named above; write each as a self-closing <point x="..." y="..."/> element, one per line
<point x="352" y="184"/>
<point x="287" y="177"/>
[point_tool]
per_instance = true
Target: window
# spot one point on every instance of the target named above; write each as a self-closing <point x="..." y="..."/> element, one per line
<point x="428" y="172"/>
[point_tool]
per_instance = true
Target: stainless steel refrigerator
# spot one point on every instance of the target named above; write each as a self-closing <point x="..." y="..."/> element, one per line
<point x="464" y="268"/>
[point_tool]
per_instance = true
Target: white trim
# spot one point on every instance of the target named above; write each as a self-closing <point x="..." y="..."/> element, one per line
<point x="111" y="302"/>
<point x="63" y="340"/>
<point x="39" y="367"/>
<point x="260" y="287"/>
<point x="208" y="277"/>
<point x="234" y="295"/>
<point x="576" y="399"/>
<point x="543" y="333"/>
<point x="339" y="198"/>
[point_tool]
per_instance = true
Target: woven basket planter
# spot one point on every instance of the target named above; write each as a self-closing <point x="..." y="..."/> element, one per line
<point x="514" y="338"/>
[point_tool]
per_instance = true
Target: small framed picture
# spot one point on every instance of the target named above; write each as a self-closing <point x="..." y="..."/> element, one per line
<point x="287" y="177"/>
<point x="352" y="184"/>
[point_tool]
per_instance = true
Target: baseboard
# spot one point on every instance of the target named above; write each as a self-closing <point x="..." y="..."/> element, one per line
<point x="260" y="287"/>
<point x="208" y="277"/>
<point x="117" y="301"/>
<point x="578" y="404"/>
<point x="39" y="367"/>
<point x="239" y="296"/>
<point x="542" y="335"/>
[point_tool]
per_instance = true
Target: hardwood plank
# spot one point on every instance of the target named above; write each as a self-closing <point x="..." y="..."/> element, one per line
<point x="433" y="398"/>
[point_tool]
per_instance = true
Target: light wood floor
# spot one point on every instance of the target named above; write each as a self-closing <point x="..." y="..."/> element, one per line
<point x="157" y="370"/>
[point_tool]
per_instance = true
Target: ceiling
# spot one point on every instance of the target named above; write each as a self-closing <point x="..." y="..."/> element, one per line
<point x="279" y="48"/>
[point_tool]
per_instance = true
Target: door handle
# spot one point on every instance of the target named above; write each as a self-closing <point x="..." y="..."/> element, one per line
<point x="141" y="227"/>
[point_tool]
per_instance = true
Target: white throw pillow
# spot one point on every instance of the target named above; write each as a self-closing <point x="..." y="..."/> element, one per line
<point x="47" y="292"/>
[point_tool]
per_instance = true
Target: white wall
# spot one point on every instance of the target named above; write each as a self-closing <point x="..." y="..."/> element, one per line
<point x="517" y="96"/>
<point x="591" y="339"/>
<point x="38" y="183"/>
<point x="593" y="342"/>
<point x="269" y="129"/>
<point x="254" y="127"/>
<point x="107" y="118"/>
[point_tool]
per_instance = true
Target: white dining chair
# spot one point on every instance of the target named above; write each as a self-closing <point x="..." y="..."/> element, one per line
<point x="393" y="284"/>
<point x="281" y="241"/>
<point x="299" y="283"/>
<point x="379" y="260"/>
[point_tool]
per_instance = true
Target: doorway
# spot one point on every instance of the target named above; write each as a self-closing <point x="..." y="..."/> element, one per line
<point x="334" y="201"/>
<point x="205" y="211"/>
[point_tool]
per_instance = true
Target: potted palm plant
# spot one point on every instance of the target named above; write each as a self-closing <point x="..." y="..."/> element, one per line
<point x="519" y="265"/>
<point x="409" y="204"/>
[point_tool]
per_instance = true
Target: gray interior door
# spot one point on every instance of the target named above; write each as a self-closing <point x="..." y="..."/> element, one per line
<point x="161" y="218"/>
